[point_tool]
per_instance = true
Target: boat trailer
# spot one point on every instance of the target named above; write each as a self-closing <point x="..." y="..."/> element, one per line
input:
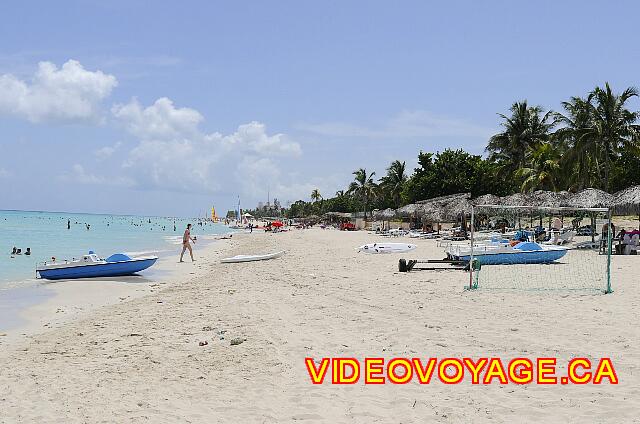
<point x="434" y="265"/>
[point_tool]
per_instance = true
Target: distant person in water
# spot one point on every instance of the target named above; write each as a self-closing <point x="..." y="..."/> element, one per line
<point x="13" y="252"/>
<point x="186" y="243"/>
<point x="68" y="224"/>
<point x="28" y="252"/>
<point x="88" y="227"/>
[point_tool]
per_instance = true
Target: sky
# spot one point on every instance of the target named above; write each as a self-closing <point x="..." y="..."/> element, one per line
<point x="167" y="108"/>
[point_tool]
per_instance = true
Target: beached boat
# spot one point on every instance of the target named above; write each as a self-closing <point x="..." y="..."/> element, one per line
<point x="252" y="258"/>
<point x="90" y="266"/>
<point x="386" y="248"/>
<point x="503" y="253"/>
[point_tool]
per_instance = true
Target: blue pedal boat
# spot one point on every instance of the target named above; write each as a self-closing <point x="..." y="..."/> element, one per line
<point x="91" y="266"/>
<point x="504" y="254"/>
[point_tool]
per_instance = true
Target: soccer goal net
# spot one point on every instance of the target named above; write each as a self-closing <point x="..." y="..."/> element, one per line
<point x="539" y="248"/>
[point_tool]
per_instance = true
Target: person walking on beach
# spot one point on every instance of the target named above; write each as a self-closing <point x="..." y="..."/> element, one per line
<point x="186" y="243"/>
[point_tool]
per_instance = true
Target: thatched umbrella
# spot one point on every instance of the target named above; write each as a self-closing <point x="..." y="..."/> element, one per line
<point x="429" y="213"/>
<point x="589" y="198"/>
<point x="548" y="199"/>
<point x="486" y="199"/>
<point x="384" y="215"/>
<point x="446" y="208"/>
<point x="627" y="202"/>
<point x="408" y="210"/>
<point x="459" y="206"/>
<point x="516" y="199"/>
<point x="337" y="216"/>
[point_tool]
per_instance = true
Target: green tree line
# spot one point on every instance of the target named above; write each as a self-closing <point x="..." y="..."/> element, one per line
<point x="593" y="142"/>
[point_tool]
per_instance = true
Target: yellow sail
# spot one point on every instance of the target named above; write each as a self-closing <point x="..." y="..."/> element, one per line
<point x="213" y="214"/>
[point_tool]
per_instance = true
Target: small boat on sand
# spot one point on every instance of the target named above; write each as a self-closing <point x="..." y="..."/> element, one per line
<point x="91" y="266"/>
<point x="499" y="253"/>
<point x="386" y="248"/>
<point x="252" y="258"/>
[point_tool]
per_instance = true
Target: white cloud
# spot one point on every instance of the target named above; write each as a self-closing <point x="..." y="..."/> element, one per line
<point x="174" y="154"/>
<point x="182" y="165"/>
<point x="107" y="151"/>
<point x="70" y="93"/>
<point x="416" y="123"/>
<point x="161" y="120"/>
<point x="253" y="136"/>
<point x="79" y="175"/>
<point x="256" y="176"/>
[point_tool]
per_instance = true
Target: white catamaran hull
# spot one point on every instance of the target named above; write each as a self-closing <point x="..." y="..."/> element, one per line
<point x="251" y="258"/>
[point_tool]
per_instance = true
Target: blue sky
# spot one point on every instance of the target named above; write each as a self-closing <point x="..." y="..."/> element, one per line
<point x="166" y="108"/>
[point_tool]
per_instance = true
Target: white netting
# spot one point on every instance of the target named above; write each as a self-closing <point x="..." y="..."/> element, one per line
<point x="539" y="248"/>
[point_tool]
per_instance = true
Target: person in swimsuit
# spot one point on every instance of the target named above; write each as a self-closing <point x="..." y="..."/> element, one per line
<point x="186" y="243"/>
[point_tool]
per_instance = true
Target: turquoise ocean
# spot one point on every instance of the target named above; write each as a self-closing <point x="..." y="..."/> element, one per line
<point x="47" y="234"/>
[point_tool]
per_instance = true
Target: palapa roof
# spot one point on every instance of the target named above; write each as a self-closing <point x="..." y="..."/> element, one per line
<point x="525" y="202"/>
<point x="486" y="199"/>
<point x="588" y="198"/>
<point x="549" y="199"/>
<point x="516" y="199"/>
<point x="408" y="210"/>
<point x="627" y="201"/>
<point x="384" y="214"/>
<point x="446" y="208"/>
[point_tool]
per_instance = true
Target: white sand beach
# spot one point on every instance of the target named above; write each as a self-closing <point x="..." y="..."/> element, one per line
<point x="135" y="355"/>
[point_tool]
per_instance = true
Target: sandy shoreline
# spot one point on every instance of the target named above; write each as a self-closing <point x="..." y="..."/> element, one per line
<point x="69" y="300"/>
<point x="140" y="360"/>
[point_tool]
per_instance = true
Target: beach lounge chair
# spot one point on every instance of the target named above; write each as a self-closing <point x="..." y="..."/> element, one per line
<point x="566" y="237"/>
<point x="590" y="244"/>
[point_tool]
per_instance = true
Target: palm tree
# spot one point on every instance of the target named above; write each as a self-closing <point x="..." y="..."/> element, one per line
<point x="580" y="159"/>
<point x="363" y="187"/>
<point x="613" y="125"/>
<point x="543" y="173"/>
<point x="315" y="195"/>
<point x="394" y="181"/>
<point x="527" y="127"/>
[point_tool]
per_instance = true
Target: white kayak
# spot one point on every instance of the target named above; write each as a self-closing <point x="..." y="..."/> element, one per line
<point x="386" y="248"/>
<point x="251" y="258"/>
